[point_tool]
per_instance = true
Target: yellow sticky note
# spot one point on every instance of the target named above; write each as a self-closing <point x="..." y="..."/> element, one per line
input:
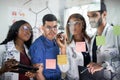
<point x="61" y="59"/>
<point x="100" y="40"/>
<point x="50" y="63"/>
<point x="116" y="30"/>
<point x="80" y="47"/>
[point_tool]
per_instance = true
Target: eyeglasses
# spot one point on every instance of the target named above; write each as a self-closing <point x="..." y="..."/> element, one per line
<point x="51" y="28"/>
<point x="74" y="23"/>
<point x="26" y="28"/>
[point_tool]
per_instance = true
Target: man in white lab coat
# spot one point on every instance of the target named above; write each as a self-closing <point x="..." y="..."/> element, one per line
<point x="106" y="64"/>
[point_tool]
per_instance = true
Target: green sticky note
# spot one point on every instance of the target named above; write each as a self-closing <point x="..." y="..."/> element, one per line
<point x="116" y="30"/>
<point x="100" y="40"/>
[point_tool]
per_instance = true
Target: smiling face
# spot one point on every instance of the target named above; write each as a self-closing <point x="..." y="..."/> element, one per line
<point x="50" y="29"/>
<point x="24" y="32"/>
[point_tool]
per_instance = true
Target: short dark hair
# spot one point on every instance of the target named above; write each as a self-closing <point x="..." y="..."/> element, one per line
<point x="103" y="7"/>
<point x="49" y="17"/>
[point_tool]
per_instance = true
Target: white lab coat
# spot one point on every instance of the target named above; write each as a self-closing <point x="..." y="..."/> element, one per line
<point x="110" y="52"/>
<point x="71" y="68"/>
<point x="9" y="51"/>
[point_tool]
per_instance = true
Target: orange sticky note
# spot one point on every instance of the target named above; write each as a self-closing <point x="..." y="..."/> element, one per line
<point x="50" y="63"/>
<point x="61" y="59"/>
<point x="80" y="47"/>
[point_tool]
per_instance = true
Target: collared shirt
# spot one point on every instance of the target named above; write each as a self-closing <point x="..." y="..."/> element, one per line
<point x="43" y="49"/>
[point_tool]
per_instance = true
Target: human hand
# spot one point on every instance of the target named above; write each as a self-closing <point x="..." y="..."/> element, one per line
<point x="40" y="66"/>
<point x="30" y="74"/>
<point x="93" y="67"/>
<point x="61" y="40"/>
<point x="39" y="74"/>
<point x="9" y="65"/>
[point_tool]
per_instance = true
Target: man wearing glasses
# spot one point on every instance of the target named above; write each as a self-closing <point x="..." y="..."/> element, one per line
<point x="45" y="50"/>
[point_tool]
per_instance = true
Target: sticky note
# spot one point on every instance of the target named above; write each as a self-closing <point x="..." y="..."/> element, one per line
<point x="80" y="47"/>
<point x="100" y="40"/>
<point x="50" y="63"/>
<point x="61" y="59"/>
<point x="116" y="30"/>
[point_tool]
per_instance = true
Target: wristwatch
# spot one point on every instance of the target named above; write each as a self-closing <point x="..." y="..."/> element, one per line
<point x="104" y="65"/>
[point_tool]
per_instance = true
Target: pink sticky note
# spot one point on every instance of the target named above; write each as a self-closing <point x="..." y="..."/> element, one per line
<point x="50" y="63"/>
<point x="80" y="47"/>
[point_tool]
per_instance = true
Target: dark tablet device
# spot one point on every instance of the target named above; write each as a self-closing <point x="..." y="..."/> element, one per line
<point x="24" y="68"/>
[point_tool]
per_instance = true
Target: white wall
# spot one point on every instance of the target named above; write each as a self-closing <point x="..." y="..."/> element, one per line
<point x="55" y="6"/>
<point x="6" y="6"/>
<point x="113" y="13"/>
<point x="3" y="19"/>
<point x="113" y="9"/>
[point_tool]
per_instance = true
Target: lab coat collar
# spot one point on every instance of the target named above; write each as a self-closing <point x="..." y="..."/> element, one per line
<point x="48" y="42"/>
<point x="72" y="44"/>
<point x="105" y="29"/>
<point x="10" y="46"/>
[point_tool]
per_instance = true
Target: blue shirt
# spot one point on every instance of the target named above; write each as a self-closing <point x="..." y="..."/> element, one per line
<point x="43" y="49"/>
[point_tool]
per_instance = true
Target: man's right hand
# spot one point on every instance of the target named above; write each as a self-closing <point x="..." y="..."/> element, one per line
<point x="94" y="67"/>
<point x="61" y="41"/>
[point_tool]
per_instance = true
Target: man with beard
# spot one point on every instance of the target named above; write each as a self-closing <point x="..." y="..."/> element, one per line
<point x="106" y="58"/>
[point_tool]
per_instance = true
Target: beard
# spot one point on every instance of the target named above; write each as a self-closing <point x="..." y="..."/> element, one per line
<point x="95" y="24"/>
